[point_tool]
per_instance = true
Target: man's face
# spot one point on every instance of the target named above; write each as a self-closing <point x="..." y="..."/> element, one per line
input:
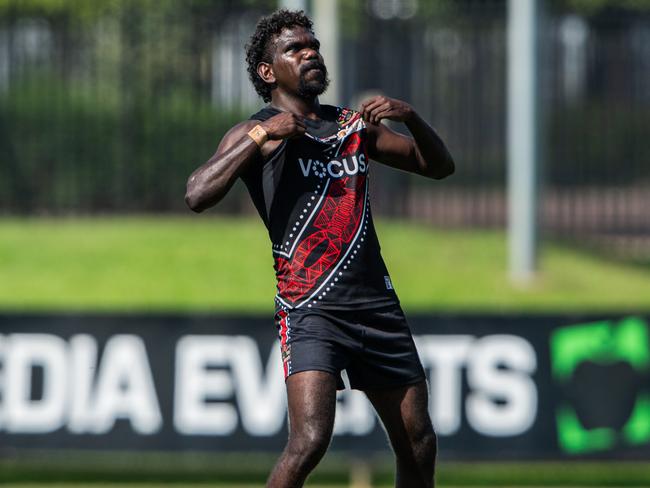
<point x="297" y="64"/>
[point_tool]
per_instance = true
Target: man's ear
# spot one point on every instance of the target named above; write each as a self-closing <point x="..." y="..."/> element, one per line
<point x="265" y="71"/>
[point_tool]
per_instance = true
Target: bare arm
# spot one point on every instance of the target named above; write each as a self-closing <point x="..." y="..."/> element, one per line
<point x="208" y="184"/>
<point x="423" y="154"/>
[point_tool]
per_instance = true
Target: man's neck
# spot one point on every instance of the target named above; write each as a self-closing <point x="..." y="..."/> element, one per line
<point x="309" y="108"/>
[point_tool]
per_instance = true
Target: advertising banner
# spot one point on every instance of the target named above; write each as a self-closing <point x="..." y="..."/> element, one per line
<point x="501" y="387"/>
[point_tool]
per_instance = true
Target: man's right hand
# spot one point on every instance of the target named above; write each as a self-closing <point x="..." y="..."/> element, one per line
<point x="210" y="182"/>
<point x="283" y="126"/>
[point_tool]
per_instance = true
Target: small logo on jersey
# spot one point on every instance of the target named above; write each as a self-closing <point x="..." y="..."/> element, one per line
<point x="389" y="284"/>
<point x="349" y="165"/>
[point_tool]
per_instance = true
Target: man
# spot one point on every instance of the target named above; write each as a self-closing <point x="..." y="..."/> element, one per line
<point x="306" y="166"/>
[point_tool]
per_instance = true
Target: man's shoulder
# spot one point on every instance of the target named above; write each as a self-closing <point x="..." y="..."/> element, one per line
<point x="264" y="114"/>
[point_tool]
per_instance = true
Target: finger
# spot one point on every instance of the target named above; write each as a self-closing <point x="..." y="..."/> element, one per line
<point x="299" y="121"/>
<point x="297" y="117"/>
<point x="374" y="103"/>
<point x="367" y="102"/>
<point x="362" y="110"/>
<point x="378" y="109"/>
<point x="383" y="114"/>
<point x="367" y="113"/>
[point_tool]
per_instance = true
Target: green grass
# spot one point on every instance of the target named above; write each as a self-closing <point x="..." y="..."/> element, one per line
<point x="181" y="470"/>
<point x="186" y="485"/>
<point x="205" y="263"/>
<point x="238" y="470"/>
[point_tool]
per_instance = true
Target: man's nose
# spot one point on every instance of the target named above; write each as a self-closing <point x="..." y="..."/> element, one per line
<point x="310" y="53"/>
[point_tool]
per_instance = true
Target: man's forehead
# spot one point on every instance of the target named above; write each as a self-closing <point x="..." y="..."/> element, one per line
<point x="292" y="34"/>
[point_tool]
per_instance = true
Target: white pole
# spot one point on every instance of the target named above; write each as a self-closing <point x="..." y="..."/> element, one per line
<point x="293" y="4"/>
<point x="522" y="139"/>
<point x="326" y="26"/>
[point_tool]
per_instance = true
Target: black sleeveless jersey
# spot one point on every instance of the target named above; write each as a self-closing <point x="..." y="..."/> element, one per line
<point x="312" y="194"/>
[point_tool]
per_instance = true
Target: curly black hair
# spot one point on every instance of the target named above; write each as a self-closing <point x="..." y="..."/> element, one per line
<point x="259" y="50"/>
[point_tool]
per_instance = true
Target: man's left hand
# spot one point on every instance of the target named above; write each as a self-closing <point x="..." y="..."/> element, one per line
<point x="380" y="107"/>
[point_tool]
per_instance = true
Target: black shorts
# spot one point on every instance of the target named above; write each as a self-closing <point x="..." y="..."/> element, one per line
<point x="374" y="346"/>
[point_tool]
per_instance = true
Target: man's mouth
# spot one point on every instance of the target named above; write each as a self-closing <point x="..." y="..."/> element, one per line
<point x="313" y="67"/>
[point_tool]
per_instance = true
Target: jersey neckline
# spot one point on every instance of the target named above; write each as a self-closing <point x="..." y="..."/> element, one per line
<point x="347" y="121"/>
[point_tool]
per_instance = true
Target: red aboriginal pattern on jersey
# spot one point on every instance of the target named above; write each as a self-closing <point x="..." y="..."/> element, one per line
<point x="328" y="237"/>
<point x="352" y="146"/>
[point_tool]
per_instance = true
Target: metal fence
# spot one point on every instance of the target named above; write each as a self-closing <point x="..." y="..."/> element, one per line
<point x="110" y="111"/>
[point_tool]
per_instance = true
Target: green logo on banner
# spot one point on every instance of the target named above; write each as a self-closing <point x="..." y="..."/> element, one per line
<point x="603" y="367"/>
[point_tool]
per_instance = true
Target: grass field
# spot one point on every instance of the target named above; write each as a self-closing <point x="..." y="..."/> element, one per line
<point x="205" y="263"/>
<point x="185" y="485"/>
<point x="333" y="472"/>
<point x="143" y="470"/>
